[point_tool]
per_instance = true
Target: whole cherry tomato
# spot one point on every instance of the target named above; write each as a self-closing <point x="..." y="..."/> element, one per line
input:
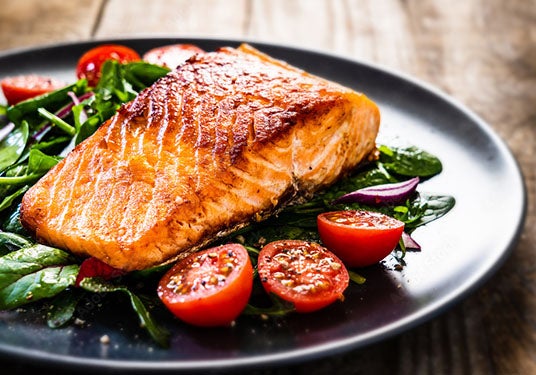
<point x="89" y="65"/>
<point x="171" y="56"/>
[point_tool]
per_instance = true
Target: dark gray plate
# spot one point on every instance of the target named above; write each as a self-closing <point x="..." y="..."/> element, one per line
<point x="460" y="251"/>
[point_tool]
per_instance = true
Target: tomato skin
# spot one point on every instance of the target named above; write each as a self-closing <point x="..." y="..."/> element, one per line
<point x="171" y="56"/>
<point x="360" y="238"/>
<point x="19" y="88"/>
<point x="90" y="63"/>
<point x="303" y="273"/>
<point x="93" y="267"/>
<point x="194" y="294"/>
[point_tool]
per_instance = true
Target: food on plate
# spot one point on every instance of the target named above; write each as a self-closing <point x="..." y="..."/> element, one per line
<point x="225" y="140"/>
<point x="210" y="287"/>
<point x="232" y="147"/>
<point x="19" y="88"/>
<point x="172" y="55"/>
<point x="90" y="63"/>
<point x="303" y="273"/>
<point x="359" y="237"/>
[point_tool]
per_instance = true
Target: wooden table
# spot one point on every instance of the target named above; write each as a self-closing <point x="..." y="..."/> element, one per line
<point x="483" y="53"/>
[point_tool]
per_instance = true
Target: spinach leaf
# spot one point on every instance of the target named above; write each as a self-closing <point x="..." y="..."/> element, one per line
<point x="432" y="207"/>
<point x="8" y="200"/>
<point x="409" y="161"/>
<point x="28" y="260"/>
<point x="97" y="285"/>
<point x="44" y="283"/>
<point x="12" y="146"/>
<point x="11" y="241"/>
<point x="141" y="74"/>
<point x="19" y="178"/>
<point x="63" y="307"/>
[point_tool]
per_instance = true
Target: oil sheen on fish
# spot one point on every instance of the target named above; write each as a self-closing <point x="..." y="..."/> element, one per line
<point x="225" y="139"/>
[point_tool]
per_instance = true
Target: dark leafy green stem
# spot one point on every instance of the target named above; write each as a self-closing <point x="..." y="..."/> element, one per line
<point x="278" y="308"/>
<point x="70" y="130"/>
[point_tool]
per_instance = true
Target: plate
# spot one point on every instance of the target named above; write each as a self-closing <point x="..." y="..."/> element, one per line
<point x="460" y="251"/>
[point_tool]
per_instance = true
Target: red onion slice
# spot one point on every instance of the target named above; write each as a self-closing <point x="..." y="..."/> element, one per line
<point x="381" y="195"/>
<point x="409" y="242"/>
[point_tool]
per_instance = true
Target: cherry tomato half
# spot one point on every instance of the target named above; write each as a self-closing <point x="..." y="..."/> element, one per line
<point x="303" y="273"/>
<point x="19" y="88"/>
<point x="359" y="238"/>
<point x="89" y="65"/>
<point x="171" y="56"/>
<point x="209" y="288"/>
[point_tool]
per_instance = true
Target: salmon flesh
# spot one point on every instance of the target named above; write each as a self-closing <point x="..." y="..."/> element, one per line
<point x="224" y="140"/>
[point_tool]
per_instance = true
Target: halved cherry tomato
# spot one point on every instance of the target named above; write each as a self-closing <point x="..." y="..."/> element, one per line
<point x="23" y="87"/>
<point x="359" y="238"/>
<point x="303" y="273"/>
<point x="209" y="288"/>
<point x="89" y="65"/>
<point x="171" y="56"/>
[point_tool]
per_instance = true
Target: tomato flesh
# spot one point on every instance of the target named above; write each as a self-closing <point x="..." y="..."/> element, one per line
<point x="360" y="238"/>
<point x="303" y="273"/>
<point x="171" y="56"/>
<point x="209" y="288"/>
<point x="23" y="87"/>
<point x="90" y="63"/>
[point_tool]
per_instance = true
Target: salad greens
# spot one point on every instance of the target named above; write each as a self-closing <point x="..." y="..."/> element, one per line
<point x="37" y="133"/>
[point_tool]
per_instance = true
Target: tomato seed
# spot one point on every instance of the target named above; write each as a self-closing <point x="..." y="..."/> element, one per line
<point x="335" y="266"/>
<point x="287" y="282"/>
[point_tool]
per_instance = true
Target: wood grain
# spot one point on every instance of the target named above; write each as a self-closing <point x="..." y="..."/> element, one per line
<point x="483" y="53"/>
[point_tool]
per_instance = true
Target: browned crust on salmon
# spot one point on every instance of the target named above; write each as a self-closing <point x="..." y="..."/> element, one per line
<point x="227" y="138"/>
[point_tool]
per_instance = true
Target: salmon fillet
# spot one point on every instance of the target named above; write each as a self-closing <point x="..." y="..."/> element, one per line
<point x="225" y="139"/>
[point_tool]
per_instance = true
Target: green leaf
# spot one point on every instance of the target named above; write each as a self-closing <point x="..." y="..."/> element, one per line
<point x="97" y="285"/>
<point x="40" y="163"/>
<point x="433" y="206"/>
<point x="141" y="74"/>
<point x="12" y="241"/>
<point x="278" y="308"/>
<point x="12" y="146"/>
<point x="12" y="223"/>
<point x="8" y="200"/>
<point x="63" y="307"/>
<point x="44" y="283"/>
<point x="28" y="260"/>
<point x="410" y="161"/>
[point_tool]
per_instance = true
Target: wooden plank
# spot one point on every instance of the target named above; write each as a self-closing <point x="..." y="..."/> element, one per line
<point x="210" y="18"/>
<point x="37" y="22"/>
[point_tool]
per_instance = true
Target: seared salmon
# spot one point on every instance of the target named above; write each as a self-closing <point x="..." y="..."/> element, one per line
<point x="227" y="138"/>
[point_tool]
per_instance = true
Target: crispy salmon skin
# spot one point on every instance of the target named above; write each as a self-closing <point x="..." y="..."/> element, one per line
<point x="225" y="139"/>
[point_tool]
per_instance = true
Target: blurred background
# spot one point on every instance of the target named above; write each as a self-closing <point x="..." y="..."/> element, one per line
<point x="481" y="52"/>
